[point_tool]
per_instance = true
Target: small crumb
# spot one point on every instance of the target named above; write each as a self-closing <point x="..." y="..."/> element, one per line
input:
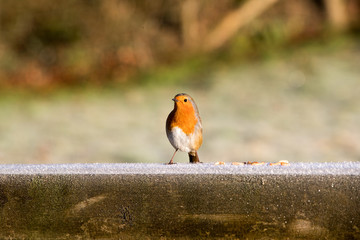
<point x="220" y="163"/>
<point x="237" y="163"/>
<point x="256" y="163"/>
<point x="274" y="164"/>
<point x="281" y="162"/>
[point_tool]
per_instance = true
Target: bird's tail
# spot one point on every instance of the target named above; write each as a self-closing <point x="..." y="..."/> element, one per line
<point x="194" y="157"/>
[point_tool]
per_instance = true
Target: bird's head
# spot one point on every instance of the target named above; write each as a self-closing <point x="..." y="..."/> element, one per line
<point x="184" y="102"/>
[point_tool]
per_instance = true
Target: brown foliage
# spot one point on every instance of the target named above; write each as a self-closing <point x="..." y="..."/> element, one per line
<point x="46" y="43"/>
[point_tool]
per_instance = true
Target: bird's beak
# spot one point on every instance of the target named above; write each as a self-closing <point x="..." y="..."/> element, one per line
<point x="175" y="100"/>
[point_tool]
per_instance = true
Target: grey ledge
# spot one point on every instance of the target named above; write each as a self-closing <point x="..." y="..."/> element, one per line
<point x="182" y="201"/>
<point x="344" y="168"/>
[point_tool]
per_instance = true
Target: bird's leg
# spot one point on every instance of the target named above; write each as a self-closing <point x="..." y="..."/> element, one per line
<point x="194" y="157"/>
<point x="171" y="161"/>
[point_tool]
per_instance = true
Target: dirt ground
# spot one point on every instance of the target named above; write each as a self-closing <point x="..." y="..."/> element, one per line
<point x="303" y="108"/>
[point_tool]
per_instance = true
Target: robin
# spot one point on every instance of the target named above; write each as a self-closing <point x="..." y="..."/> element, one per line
<point x="184" y="128"/>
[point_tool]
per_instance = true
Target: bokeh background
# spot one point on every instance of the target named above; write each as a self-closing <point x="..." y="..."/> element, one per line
<point x="92" y="81"/>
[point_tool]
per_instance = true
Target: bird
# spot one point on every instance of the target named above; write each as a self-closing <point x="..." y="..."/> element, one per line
<point x="184" y="127"/>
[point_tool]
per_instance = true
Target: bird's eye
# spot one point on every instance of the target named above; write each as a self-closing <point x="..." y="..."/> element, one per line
<point x="185" y="100"/>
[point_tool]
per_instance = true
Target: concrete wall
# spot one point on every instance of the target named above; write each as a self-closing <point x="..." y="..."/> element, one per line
<point x="180" y="206"/>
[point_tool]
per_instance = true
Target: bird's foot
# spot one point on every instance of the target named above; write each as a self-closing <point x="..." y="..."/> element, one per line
<point x="170" y="163"/>
<point x="195" y="162"/>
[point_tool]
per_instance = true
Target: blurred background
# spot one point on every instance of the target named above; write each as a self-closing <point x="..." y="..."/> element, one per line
<point x="92" y="81"/>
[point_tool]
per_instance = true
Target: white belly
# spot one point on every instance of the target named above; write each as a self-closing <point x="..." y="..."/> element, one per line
<point x="179" y="140"/>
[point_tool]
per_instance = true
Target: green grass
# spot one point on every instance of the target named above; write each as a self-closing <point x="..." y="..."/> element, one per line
<point x="300" y="104"/>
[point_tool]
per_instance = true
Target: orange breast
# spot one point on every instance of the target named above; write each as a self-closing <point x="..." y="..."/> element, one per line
<point x="183" y="118"/>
